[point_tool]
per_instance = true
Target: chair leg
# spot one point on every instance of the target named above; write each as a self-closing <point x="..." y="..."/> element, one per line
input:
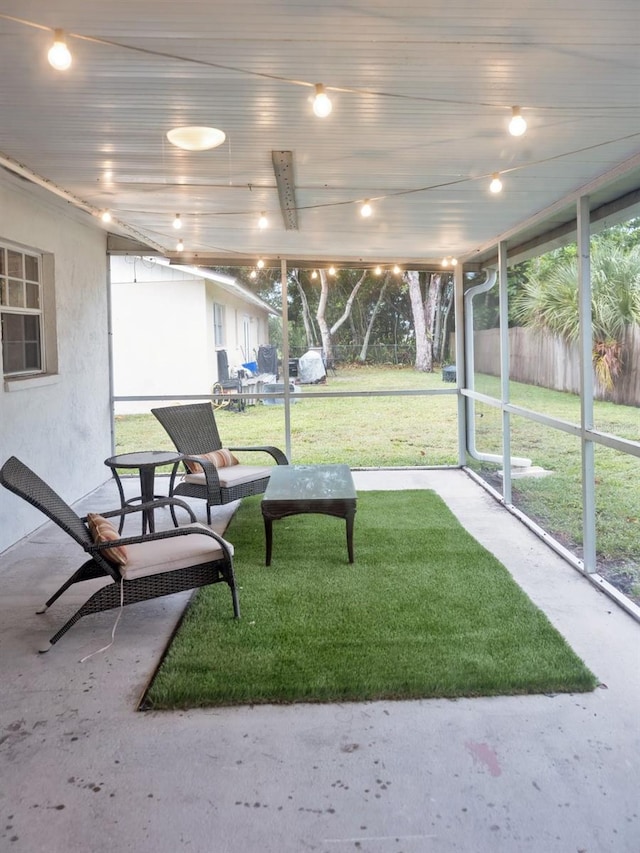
<point x="105" y="598"/>
<point x="87" y="571"/>
<point x="208" y="515"/>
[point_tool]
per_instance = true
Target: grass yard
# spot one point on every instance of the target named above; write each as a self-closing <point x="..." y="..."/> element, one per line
<point x="373" y="431"/>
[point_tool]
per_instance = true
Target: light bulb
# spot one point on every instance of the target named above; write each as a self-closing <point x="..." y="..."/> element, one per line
<point x="180" y="246"/>
<point x="445" y="262"/>
<point x="253" y="274"/>
<point x="321" y="104"/>
<point x="454" y="262"/>
<point x="517" y="125"/>
<point x="59" y="56"/>
<point x="365" y="210"/>
<point x="332" y="270"/>
<point x="378" y="270"/>
<point x="105" y="216"/>
<point x="177" y="222"/>
<point x="314" y="274"/>
<point x="396" y="269"/>
<point x="496" y="184"/>
<point x="260" y="264"/>
<point x="263" y="221"/>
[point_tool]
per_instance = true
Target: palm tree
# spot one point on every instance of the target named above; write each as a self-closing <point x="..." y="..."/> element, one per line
<point x="548" y="300"/>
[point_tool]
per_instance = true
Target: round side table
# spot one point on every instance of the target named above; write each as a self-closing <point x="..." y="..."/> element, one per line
<point x="146" y="461"/>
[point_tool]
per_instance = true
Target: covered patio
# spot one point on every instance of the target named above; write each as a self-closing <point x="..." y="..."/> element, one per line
<point x="528" y="773"/>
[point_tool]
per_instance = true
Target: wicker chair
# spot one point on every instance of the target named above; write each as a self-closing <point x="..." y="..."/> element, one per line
<point x="193" y="430"/>
<point x="158" y="564"/>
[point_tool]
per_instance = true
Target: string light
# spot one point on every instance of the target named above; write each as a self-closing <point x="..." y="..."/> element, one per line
<point x="378" y="270"/>
<point x="59" y="56"/>
<point x="260" y="263"/>
<point x="263" y="221"/>
<point x="253" y="274"/>
<point x="396" y="269"/>
<point x="517" y="125"/>
<point x="449" y="262"/>
<point x="180" y="246"/>
<point x="322" y="106"/>
<point x="177" y="222"/>
<point x="314" y="274"/>
<point x="332" y="270"/>
<point x="105" y="216"/>
<point x="366" y="210"/>
<point x="496" y="184"/>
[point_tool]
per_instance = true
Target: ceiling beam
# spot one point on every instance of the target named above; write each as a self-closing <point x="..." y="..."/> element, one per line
<point x="283" y="170"/>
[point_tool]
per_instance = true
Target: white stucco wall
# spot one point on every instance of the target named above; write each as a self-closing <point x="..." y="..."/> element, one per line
<point x="60" y="428"/>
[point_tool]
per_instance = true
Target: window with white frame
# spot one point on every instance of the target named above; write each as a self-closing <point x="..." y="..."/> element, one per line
<point x="21" y="311"/>
<point x="218" y="324"/>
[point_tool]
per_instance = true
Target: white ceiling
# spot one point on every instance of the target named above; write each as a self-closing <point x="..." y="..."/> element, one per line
<point x="422" y="93"/>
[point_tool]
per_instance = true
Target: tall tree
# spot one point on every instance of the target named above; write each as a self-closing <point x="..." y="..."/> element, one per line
<point x="550" y="301"/>
<point x="374" y="313"/>
<point x="326" y="331"/>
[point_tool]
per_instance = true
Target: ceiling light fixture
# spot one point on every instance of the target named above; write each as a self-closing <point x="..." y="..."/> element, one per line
<point x="496" y="184"/>
<point x="517" y="125"/>
<point x="177" y="222"/>
<point x="366" y="210"/>
<point x="263" y="221"/>
<point x="180" y="246"/>
<point x="322" y="106"/>
<point x="59" y="56"/>
<point x="195" y="138"/>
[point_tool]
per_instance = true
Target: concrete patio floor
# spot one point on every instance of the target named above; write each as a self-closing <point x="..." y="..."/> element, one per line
<point x="82" y="770"/>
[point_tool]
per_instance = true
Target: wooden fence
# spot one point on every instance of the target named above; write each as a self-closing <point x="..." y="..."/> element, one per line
<point x="538" y="358"/>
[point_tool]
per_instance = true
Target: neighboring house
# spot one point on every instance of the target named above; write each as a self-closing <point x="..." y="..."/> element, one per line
<point x="55" y="410"/>
<point x="174" y="328"/>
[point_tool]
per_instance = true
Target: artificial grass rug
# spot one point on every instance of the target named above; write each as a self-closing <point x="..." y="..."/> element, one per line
<point x="425" y="611"/>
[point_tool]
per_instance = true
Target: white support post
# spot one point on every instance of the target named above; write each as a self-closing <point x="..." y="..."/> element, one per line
<point x="285" y="357"/>
<point x="461" y="368"/>
<point x="504" y="372"/>
<point x="586" y="386"/>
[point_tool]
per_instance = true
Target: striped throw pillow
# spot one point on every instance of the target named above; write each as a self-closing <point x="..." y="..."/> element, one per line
<point x="102" y="530"/>
<point x="220" y="458"/>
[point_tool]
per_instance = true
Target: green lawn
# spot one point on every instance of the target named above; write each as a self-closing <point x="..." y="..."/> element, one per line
<point x="374" y="431"/>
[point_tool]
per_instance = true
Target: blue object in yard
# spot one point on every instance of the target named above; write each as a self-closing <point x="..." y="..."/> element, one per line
<point x="252" y="366"/>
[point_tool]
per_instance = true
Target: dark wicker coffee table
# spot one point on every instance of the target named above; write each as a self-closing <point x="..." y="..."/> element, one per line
<point x="296" y="489"/>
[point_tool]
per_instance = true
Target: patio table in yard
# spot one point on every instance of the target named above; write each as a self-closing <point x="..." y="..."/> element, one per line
<point x="297" y="489"/>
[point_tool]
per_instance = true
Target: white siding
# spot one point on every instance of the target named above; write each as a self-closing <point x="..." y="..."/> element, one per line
<point x="61" y="428"/>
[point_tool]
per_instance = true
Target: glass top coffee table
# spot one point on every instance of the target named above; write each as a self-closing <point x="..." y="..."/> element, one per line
<point x="297" y="489"/>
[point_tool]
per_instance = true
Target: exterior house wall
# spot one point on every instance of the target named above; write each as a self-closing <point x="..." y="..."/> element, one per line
<point x="59" y="425"/>
<point x="163" y="331"/>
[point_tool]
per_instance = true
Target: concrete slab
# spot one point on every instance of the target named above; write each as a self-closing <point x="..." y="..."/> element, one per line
<point x="82" y="770"/>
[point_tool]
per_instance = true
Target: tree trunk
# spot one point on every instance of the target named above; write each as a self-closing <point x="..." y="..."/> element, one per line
<point x="365" y="344"/>
<point x="327" y="333"/>
<point x="306" y="314"/>
<point x="424" y="360"/>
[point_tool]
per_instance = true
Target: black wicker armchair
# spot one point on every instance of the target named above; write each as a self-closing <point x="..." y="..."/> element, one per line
<point x="156" y="564"/>
<point x="194" y="432"/>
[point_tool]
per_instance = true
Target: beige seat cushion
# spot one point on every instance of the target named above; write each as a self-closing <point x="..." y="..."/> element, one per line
<point x="165" y="555"/>
<point x="236" y="475"/>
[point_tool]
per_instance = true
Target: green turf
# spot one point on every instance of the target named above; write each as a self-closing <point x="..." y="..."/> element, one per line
<point x="425" y="611"/>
